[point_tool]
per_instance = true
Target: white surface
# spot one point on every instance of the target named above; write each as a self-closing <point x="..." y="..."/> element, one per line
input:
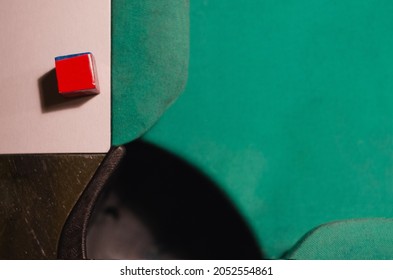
<point x="32" y="33"/>
<point x="195" y="269"/>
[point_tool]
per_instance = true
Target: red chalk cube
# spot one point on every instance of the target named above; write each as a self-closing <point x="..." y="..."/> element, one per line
<point x="76" y="75"/>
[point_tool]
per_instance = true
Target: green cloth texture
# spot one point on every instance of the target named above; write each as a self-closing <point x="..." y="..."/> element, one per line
<point x="368" y="239"/>
<point x="289" y="109"/>
<point x="150" y="53"/>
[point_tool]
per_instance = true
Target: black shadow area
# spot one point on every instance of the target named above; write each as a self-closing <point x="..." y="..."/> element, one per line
<point x="160" y="207"/>
<point x="50" y="98"/>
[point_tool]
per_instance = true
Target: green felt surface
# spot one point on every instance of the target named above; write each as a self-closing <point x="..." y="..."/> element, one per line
<point x="289" y="108"/>
<point x="367" y="239"/>
<point x="150" y="48"/>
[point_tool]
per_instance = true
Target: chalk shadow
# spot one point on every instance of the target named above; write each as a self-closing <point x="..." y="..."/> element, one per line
<point x="51" y="100"/>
